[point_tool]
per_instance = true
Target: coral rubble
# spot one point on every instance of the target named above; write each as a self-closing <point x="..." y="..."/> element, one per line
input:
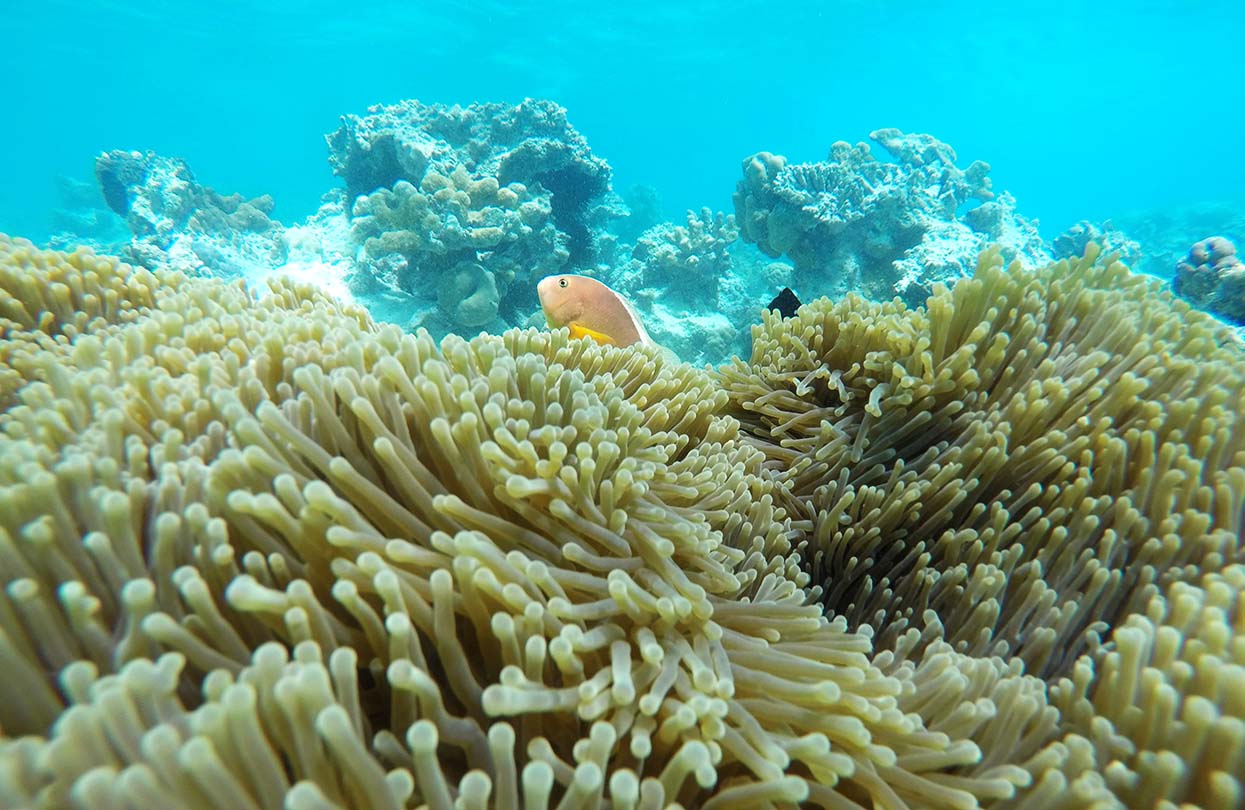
<point x="259" y="551"/>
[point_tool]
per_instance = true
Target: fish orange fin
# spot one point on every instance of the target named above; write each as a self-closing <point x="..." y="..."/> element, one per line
<point x="581" y="331"/>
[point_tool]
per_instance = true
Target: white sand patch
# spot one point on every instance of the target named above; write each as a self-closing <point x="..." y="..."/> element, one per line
<point x="328" y="276"/>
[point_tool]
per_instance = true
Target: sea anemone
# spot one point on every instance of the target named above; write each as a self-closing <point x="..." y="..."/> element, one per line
<point x="261" y="552"/>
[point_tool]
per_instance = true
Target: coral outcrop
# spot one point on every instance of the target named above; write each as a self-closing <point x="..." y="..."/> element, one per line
<point x="886" y="228"/>
<point x="417" y="240"/>
<point x="1212" y="278"/>
<point x="259" y="551"/>
<point x="1165" y="234"/>
<point x="683" y="284"/>
<point x="684" y="263"/>
<point x="511" y="189"/>
<point x="1073" y="242"/>
<point x="179" y="224"/>
<point x="531" y="144"/>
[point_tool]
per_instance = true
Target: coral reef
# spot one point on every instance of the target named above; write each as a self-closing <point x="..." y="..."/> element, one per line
<point x="179" y="224"/>
<point x="681" y="280"/>
<point x="432" y="192"/>
<point x="436" y="196"/>
<point x="1166" y="234"/>
<point x="1212" y="278"/>
<point x="259" y="551"/>
<point x="531" y="144"/>
<point x="854" y="222"/>
<point x="1111" y="241"/>
<point x="686" y="263"/>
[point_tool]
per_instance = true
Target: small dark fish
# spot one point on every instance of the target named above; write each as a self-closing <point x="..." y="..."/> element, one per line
<point x="785" y="302"/>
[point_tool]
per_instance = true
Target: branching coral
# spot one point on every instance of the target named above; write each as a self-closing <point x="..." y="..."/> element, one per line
<point x="456" y="220"/>
<point x="680" y="277"/>
<point x="261" y="552"/>
<point x="686" y="262"/>
<point x="531" y="143"/>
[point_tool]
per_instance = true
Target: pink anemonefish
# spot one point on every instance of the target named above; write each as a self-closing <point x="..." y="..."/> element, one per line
<point x="590" y="309"/>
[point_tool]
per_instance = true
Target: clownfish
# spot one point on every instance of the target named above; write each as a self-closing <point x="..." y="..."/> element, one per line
<point x="590" y="309"/>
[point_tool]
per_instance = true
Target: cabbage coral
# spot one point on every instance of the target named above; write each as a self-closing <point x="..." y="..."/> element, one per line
<point x="260" y="552"/>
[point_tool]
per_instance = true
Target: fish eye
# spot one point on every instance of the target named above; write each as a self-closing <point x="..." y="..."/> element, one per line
<point x="562" y="282"/>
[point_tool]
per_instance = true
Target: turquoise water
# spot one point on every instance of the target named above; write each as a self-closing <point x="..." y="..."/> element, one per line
<point x="1085" y="110"/>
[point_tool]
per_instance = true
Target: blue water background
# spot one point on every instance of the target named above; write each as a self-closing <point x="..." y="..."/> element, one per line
<point x="1085" y="110"/>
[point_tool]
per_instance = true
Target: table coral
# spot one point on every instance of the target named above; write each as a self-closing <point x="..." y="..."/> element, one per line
<point x="854" y="222"/>
<point x="258" y="551"/>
